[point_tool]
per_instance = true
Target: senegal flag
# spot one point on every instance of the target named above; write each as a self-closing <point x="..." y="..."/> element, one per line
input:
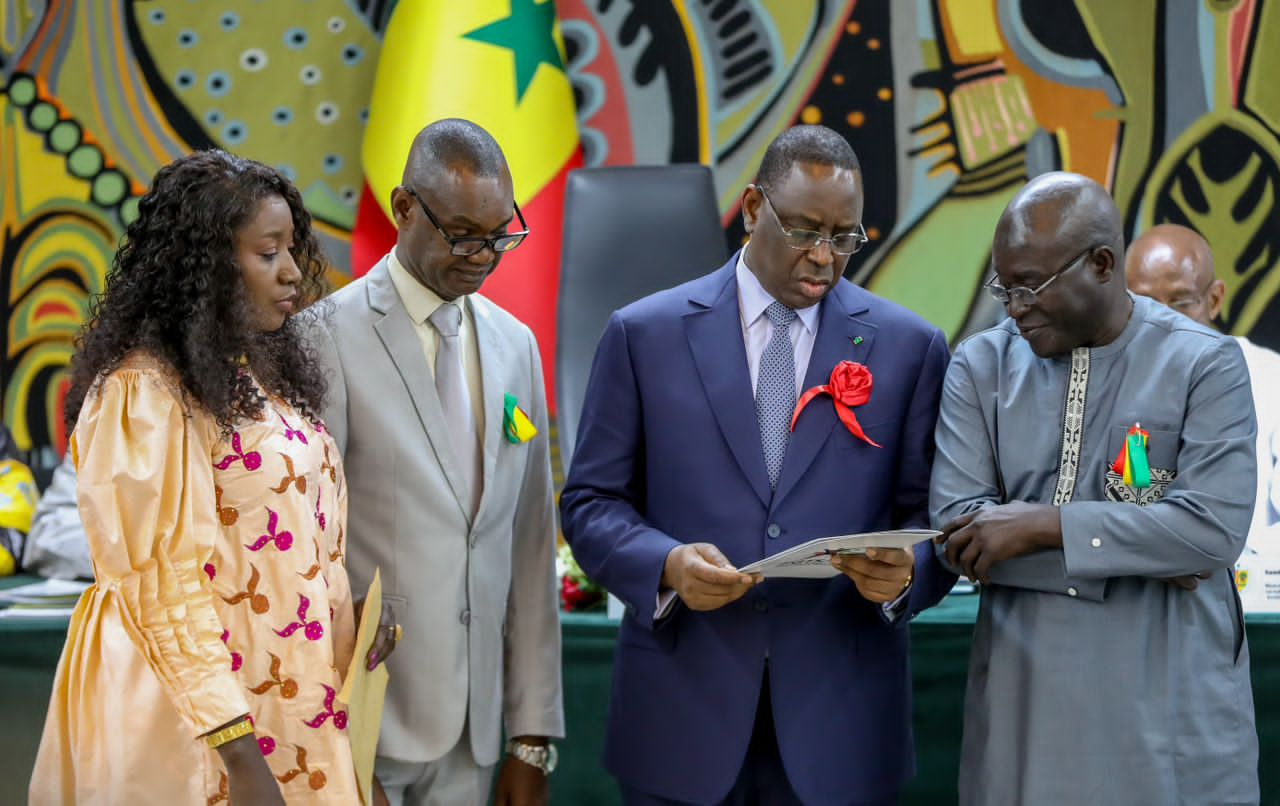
<point x="499" y="63"/>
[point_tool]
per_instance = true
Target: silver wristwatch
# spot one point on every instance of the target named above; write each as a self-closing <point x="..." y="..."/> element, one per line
<point x="542" y="757"/>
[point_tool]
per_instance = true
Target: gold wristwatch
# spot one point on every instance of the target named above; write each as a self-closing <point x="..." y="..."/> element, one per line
<point x="544" y="757"/>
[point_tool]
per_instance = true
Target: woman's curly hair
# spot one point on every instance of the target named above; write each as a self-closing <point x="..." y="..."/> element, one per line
<point x="175" y="292"/>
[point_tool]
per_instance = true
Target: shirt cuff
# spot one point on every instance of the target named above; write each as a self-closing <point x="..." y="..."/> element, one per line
<point x="665" y="603"/>
<point x="894" y="609"/>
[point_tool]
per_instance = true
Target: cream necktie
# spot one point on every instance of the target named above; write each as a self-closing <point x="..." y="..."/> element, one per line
<point x="451" y="384"/>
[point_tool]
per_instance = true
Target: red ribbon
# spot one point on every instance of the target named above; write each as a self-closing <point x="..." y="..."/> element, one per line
<point x="850" y="385"/>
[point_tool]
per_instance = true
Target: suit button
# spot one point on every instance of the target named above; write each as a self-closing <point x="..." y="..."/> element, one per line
<point x="762" y="606"/>
<point x="774" y="530"/>
<point x="465" y="618"/>
<point x="474" y="539"/>
<point x="1072" y="592"/>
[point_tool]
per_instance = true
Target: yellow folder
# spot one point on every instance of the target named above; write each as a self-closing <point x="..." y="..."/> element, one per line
<point x="364" y="692"/>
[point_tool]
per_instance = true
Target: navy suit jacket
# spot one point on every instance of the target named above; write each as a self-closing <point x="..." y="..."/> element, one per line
<point x="668" y="453"/>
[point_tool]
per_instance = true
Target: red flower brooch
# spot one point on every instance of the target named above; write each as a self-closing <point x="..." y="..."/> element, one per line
<point x="849" y="386"/>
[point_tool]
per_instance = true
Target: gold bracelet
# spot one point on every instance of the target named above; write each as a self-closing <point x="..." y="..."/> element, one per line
<point x="218" y="738"/>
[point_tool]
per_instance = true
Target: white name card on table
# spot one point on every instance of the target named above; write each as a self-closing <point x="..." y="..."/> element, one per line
<point x="1258" y="580"/>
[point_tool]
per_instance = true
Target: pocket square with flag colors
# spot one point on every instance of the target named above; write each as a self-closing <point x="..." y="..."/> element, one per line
<point x="516" y="425"/>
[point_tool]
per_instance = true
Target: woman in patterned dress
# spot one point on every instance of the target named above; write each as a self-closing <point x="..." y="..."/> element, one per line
<point x="214" y="503"/>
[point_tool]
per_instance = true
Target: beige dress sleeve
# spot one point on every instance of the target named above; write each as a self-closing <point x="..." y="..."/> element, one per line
<point x="146" y="494"/>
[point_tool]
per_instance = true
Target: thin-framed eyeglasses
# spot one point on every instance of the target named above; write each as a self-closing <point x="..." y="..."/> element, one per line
<point x="1024" y="296"/>
<point x="467" y="246"/>
<point x="842" y="243"/>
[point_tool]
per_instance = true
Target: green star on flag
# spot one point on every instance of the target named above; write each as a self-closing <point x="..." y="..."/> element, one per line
<point x="529" y="33"/>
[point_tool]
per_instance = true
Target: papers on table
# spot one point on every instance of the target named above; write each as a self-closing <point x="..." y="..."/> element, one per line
<point x="50" y="598"/>
<point x="812" y="560"/>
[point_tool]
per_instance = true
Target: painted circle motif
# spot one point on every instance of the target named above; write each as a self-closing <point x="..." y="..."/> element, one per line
<point x="43" y="116"/>
<point x="64" y="136"/>
<point x="253" y="59"/>
<point x="109" y="188"/>
<point x="22" y="91"/>
<point x="85" y="161"/>
<point x="327" y="112"/>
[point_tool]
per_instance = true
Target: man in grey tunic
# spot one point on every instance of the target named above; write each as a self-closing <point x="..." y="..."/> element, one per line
<point x="1109" y="663"/>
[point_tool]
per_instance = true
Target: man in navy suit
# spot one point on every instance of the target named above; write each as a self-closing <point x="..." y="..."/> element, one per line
<point x="727" y="689"/>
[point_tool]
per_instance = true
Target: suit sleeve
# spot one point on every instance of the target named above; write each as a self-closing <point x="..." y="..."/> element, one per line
<point x="1203" y="519"/>
<point x="915" y="460"/>
<point x="604" y="495"/>
<point x="966" y="477"/>
<point x="532" y="697"/>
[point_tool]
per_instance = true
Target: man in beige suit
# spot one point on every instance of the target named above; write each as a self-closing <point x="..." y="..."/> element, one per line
<point x="444" y="498"/>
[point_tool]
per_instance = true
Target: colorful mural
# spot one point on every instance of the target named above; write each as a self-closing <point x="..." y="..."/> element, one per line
<point x="951" y="105"/>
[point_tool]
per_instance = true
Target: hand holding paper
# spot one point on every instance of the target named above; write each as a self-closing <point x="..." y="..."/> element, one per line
<point x="880" y="574"/>
<point x="703" y="577"/>
<point x="364" y="691"/>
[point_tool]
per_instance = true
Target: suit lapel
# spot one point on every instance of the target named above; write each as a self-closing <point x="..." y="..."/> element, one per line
<point x="839" y="325"/>
<point x="395" y="330"/>
<point x="492" y="371"/>
<point x="714" y="330"/>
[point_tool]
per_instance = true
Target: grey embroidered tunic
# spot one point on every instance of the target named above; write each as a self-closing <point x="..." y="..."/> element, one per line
<point x="1092" y="681"/>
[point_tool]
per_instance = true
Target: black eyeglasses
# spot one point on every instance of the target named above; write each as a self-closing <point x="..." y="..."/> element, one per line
<point x="842" y="243"/>
<point x="470" y="246"/>
<point x="1026" y="297"/>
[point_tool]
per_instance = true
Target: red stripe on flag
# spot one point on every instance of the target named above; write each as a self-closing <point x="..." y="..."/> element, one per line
<point x="527" y="281"/>
<point x="373" y="236"/>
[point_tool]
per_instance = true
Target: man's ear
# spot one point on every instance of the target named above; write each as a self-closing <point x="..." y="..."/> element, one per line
<point x="751" y="201"/>
<point x="1216" y="295"/>
<point x="401" y="205"/>
<point x="1103" y="264"/>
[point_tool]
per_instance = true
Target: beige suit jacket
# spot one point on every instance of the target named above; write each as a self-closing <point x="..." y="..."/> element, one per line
<point x="476" y="597"/>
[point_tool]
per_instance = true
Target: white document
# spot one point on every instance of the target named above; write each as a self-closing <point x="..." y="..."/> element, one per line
<point x="812" y="560"/>
<point x="49" y="591"/>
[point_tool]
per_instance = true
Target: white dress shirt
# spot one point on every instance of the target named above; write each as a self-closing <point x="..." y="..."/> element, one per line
<point x="1264" y="375"/>
<point x="420" y="302"/>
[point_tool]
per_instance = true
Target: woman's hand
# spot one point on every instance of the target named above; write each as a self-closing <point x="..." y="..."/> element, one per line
<point x="249" y="779"/>
<point x="384" y="642"/>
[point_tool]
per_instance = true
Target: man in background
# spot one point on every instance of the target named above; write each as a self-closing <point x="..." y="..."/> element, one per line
<point x="1174" y="265"/>
<point x="57" y="547"/>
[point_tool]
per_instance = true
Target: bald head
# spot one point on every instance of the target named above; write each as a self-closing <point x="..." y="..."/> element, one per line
<point x="1173" y="265"/>
<point x="453" y="208"/>
<point x="1061" y="207"/>
<point x="1057" y="252"/>
<point x="453" y="144"/>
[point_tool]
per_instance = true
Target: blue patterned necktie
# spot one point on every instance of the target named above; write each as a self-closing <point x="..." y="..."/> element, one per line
<point x="776" y="390"/>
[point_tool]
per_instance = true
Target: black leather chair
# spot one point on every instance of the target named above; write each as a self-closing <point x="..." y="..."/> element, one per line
<point x="628" y="232"/>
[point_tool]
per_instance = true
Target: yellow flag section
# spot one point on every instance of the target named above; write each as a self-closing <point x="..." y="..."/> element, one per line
<point x="499" y="63"/>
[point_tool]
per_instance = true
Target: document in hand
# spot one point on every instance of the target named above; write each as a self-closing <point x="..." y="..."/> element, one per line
<point x="812" y="560"/>
<point x="364" y="692"/>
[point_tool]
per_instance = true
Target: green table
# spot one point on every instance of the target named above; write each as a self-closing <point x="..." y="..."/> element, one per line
<point x="940" y="647"/>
